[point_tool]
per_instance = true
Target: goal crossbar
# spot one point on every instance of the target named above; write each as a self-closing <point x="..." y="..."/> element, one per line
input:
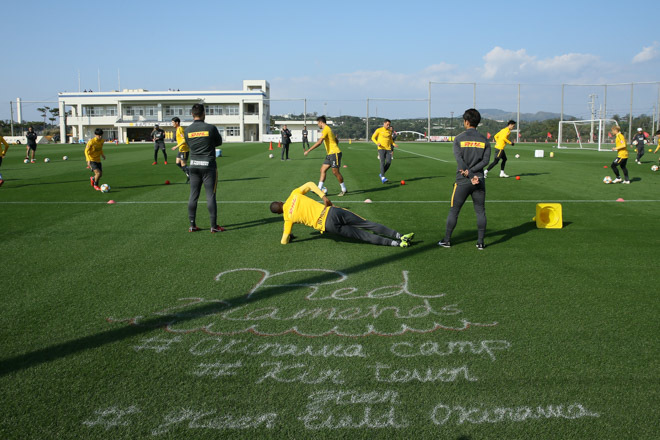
<point x="593" y="135"/>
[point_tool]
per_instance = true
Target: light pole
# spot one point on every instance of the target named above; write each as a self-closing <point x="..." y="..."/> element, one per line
<point x="451" y="123"/>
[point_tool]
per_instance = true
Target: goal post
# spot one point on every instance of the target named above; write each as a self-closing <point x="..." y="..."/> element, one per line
<point x="589" y="134"/>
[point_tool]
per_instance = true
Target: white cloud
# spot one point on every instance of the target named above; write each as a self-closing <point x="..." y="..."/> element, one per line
<point x="503" y="63"/>
<point x="647" y="54"/>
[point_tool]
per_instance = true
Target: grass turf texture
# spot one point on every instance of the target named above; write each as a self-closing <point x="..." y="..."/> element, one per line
<point x="576" y="309"/>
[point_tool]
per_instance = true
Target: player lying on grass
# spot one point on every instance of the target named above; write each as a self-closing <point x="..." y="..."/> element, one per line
<point x="325" y="217"/>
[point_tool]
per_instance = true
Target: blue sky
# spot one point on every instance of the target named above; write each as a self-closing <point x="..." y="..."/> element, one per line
<point x="337" y="54"/>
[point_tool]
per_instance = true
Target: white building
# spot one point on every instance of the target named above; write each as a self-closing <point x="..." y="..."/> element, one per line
<point x="241" y="116"/>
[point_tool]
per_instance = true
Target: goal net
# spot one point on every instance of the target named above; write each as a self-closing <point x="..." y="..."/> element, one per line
<point x="590" y="134"/>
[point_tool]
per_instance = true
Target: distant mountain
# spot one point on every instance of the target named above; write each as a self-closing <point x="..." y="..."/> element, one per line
<point x="501" y="115"/>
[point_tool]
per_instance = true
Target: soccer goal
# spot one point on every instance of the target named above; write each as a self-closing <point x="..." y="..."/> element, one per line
<point x="590" y="134"/>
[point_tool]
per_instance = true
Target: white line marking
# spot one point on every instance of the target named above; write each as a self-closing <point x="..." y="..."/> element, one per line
<point x="344" y="201"/>
<point x="422" y="155"/>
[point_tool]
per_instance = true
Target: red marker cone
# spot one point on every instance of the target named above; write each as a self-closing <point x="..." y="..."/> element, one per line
<point x="271" y="146"/>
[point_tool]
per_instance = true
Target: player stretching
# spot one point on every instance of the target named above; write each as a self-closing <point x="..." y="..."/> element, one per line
<point x="639" y="140"/>
<point x="501" y="139"/>
<point x="184" y="151"/>
<point x="31" y="148"/>
<point x="93" y="155"/>
<point x="158" y="136"/>
<point x="382" y="137"/>
<point x="5" y="147"/>
<point x="621" y="157"/>
<point x="202" y="138"/>
<point x="472" y="152"/>
<point x="333" y="154"/>
<point x="325" y="217"/>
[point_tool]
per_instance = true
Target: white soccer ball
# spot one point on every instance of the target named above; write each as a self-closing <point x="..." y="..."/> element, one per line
<point x="270" y="156"/>
<point x="654" y="168"/>
<point x="517" y="156"/>
<point x="105" y="188"/>
<point x="634" y="142"/>
<point x="607" y="179"/>
<point x="325" y="190"/>
<point x="26" y="161"/>
<point x="65" y="158"/>
<point x="46" y="160"/>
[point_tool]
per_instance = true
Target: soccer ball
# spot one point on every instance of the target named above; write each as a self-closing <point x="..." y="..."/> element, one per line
<point x="46" y="160"/>
<point x="654" y="168"/>
<point x="607" y="179"/>
<point x="65" y="158"/>
<point x="634" y="142"/>
<point x="270" y="156"/>
<point x="325" y="190"/>
<point x="105" y="188"/>
<point x="517" y="156"/>
<point x="26" y="161"/>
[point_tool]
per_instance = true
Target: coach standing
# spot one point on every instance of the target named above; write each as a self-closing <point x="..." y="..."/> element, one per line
<point x="158" y="136"/>
<point x="472" y="153"/>
<point x="286" y="141"/>
<point x="202" y="138"/>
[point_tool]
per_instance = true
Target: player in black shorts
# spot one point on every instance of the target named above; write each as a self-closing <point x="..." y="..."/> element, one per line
<point x="158" y="136"/>
<point x="2" y="155"/>
<point x="202" y="138"/>
<point x="472" y="153"/>
<point x="31" y="148"/>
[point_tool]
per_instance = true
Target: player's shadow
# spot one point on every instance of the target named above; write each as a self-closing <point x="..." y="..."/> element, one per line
<point x="530" y="174"/>
<point x="240" y="179"/>
<point x="253" y="223"/>
<point x="116" y="188"/>
<point x="391" y="185"/>
<point x="40" y="183"/>
<point x="636" y="179"/>
<point x="131" y="329"/>
<point x="507" y="234"/>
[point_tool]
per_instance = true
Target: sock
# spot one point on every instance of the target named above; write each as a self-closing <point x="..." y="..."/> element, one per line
<point x="186" y="170"/>
<point x="192" y="223"/>
<point x="320" y="184"/>
<point x="0" y="176"/>
<point x="179" y="164"/>
<point x="398" y="236"/>
<point x="395" y="243"/>
<point x="343" y="186"/>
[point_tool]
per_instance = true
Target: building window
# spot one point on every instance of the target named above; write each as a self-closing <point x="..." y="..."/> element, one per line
<point x="173" y="110"/>
<point x="152" y="111"/>
<point x="233" y="131"/>
<point x="215" y="110"/>
<point x="89" y="110"/>
<point x="128" y="110"/>
<point x="232" y="109"/>
<point x="111" y="110"/>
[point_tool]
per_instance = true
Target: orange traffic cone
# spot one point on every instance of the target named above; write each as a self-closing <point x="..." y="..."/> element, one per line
<point x="279" y="145"/>
<point x="271" y="146"/>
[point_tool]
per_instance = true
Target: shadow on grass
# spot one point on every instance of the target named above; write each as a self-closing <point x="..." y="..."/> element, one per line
<point x="390" y="185"/>
<point x="114" y="188"/>
<point x="253" y="223"/>
<point x="530" y="174"/>
<point x="78" y="345"/>
<point x="43" y="183"/>
<point x="242" y="178"/>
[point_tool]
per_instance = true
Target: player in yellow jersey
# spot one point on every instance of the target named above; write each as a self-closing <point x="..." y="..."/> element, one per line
<point x="299" y="208"/>
<point x="383" y="139"/>
<point x="184" y="151"/>
<point x="622" y="155"/>
<point x="93" y="154"/>
<point x="333" y="155"/>
<point x="657" y="133"/>
<point x="5" y="147"/>
<point x="501" y="139"/>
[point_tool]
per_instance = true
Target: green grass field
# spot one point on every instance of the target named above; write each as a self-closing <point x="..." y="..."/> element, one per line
<point x="118" y="323"/>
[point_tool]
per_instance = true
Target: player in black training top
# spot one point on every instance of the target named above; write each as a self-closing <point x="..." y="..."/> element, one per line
<point x="158" y="136"/>
<point x="639" y="140"/>
<point x="305" y="136"/>
<point x="31" y="144"/>
<point x="202" y="138"/>
<point x="472" y="153"/>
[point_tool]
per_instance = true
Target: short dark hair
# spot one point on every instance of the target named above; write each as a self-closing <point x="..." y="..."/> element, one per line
<point x="176" y="119"/>
<point x="31" y="127"/>
<point x="275" y="207"/>
<point x="387" y="120"/>
<point x="472" y="116"/>
<point x="511" y="122"/>
<point x="321" y="119"/>
<point x="197" y="110"/>
<point x="98" y="132"/>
